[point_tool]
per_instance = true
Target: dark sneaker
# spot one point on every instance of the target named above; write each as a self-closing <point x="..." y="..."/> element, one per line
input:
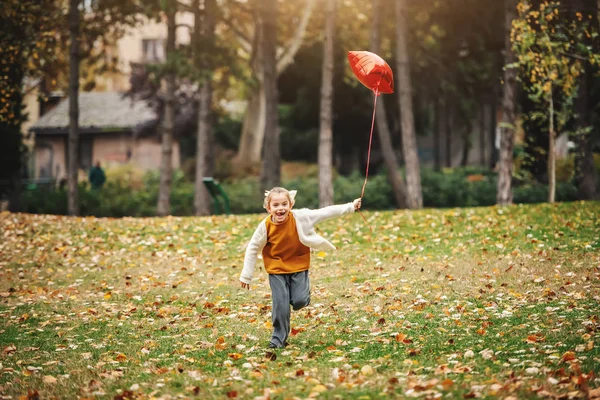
<point x="275" y="346"/>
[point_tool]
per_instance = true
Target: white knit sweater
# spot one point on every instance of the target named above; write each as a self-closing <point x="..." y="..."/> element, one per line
<point x="305" y="225"/>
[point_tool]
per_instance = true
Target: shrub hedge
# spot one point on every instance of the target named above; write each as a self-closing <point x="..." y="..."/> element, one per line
<point x="466" y="187"/>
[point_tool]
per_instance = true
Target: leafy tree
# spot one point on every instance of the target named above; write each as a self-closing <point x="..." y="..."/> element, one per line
<point x="34" y="36"/>
<point x="545" y="45"/>
<point x="26" y="50"/>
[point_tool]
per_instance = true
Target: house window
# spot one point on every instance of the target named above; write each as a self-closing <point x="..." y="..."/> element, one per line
<point x="85" y="153"/>
<point x="153" y="50"/>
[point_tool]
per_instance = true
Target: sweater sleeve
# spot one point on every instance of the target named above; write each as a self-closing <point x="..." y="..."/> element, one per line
<point x="325" y="213"/>
<point x="257" y="242"/>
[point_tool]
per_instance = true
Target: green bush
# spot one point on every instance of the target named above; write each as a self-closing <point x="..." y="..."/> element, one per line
<point x="538" y="193"/>
<point x="452" y="188"/>
<point x="137" y="195"/>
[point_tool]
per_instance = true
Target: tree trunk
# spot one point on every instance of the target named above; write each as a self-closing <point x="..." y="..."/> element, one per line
<point x="449" y="112"/>
<point x="466" y="145"/>
<point x="493" y="125"/>
<point x="203" y="34"/>
<point x="201" y="195"/>
<point x="507" y="130"/>
<point x="551" y="154"/>
<point x="440" y="115"/>
<point x="325" y="128"/>
<point x="253" y="129"/>
<point x="383" y="131"/>
<point x="252" y="138"/>
<point x="271" y="165"/>
<point x="73" y="169"/>
<point x="482" y="132"/>
<point x="409" y="141"/>
<point x="586" y="176"/>
<point x="166" y="162"/>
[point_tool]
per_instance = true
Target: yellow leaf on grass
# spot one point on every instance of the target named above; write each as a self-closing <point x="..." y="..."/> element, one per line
<point x="319" y="388"/>
<point x="367" y="370"/>
<point x="321" y="254"/>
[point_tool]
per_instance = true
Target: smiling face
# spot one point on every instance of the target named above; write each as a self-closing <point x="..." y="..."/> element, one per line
<point x="279" y="207"/>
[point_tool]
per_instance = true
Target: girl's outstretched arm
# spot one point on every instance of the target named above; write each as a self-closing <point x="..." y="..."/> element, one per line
<point x="325" y="213"/>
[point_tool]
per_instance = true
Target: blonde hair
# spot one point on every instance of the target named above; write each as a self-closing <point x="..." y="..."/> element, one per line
<point x="291" y="194"/>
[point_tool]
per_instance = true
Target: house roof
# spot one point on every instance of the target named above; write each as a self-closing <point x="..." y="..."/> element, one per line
<point x="98" y="112"/>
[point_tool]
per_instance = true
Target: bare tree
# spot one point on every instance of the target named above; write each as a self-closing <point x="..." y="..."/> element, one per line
<point x="166" y="163"/>
<point x="271" y="166"/>
<point x="507" y="127"/>
<point x="73" y="195"/>
<point x="409" y="141"/>
<point x="383" y="131"/>
<point x="325" y="127"/>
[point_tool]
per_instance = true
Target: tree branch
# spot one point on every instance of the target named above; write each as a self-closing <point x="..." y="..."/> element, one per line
<point x="241" y="37"/>
<point x="288" y="54"/>
<point x="575" y="56"/>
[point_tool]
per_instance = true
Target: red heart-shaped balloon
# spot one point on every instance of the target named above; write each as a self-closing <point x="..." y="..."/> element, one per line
<point x="372" y="71"/>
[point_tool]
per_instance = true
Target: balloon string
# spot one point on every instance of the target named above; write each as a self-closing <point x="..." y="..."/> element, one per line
<point x="369" y="152"/>
<point x="370" y="141"/>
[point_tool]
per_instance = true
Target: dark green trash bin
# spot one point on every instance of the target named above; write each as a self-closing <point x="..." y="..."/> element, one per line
<point x="220" y="199"/>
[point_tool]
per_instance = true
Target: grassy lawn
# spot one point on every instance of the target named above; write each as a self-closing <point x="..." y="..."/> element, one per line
<point x="457" y="303"/>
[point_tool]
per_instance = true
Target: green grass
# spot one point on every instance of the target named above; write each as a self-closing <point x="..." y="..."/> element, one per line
<point x="480" y="302"/>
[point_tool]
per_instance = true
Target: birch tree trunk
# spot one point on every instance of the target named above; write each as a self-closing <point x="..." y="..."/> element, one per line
<point x="383" y="131"/>
<point x="166" y="163"/>
<point x="409" y="141"/>
<point x="326" y="123"/>
<point x="204" y="37"/>
<point x="551" y="154"/>
<point x="507" y="129"/>
<point x="271" y="164"/>
<point x="73" y="169"/>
